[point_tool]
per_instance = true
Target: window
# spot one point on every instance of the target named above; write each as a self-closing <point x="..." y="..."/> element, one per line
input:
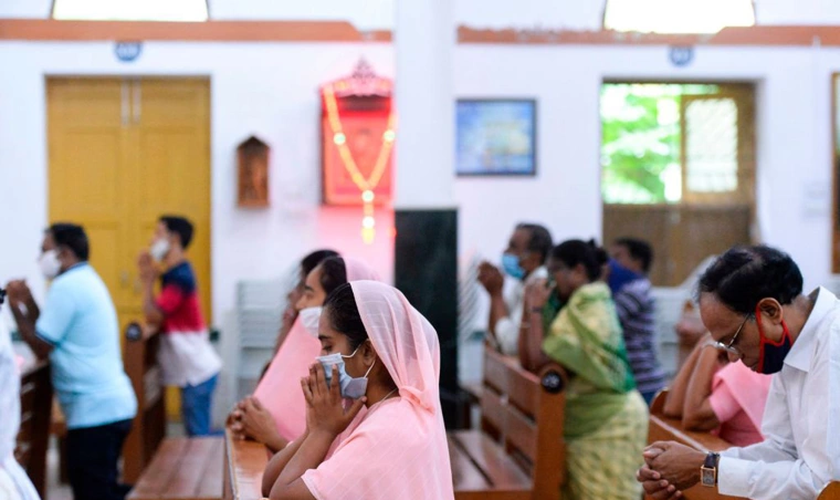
<point x="675" y="143"/>
<point x="678" y="170"/>
<point x="711" y="145"/>
<point x="677" y="16"/>
<point x="131" y="10"/>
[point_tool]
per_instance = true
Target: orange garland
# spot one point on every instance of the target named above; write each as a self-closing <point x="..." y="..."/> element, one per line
<point x="365" y="185"/>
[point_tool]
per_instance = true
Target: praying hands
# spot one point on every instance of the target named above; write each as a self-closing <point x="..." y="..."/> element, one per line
<point x="669" y="469"/>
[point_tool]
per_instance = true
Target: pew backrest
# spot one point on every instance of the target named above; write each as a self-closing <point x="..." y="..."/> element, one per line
<point x="36" y="394"/>
<point x="831" y="492"/>
<point x="149" y="427"/>
<point x="524" y="413"/>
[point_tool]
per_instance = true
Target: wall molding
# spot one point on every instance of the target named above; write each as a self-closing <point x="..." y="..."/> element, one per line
<point x="210" y="31"/>
<point x="734" y="36"/>
<point x="342" y="31"/>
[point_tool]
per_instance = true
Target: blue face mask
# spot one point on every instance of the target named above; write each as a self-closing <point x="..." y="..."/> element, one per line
<point x="351" y="388"/>
<point x="510" y="263"/>
<point x="620" y="276"/>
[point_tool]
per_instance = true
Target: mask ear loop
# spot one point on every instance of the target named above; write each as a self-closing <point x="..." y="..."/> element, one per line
<point x="351" y="355"/>
<point x="354" y="353"/>
<point x="371" y="368"/>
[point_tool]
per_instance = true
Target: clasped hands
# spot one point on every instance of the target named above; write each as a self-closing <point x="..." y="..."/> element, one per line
<point x="669" y="469"/>
<point x="325" y="409"/>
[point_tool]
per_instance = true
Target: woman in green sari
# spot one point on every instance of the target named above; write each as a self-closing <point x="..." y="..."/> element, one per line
<point x="606" y="418"/>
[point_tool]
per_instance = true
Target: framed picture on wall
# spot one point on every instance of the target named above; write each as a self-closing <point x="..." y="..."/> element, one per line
<point x="496" y="137"/>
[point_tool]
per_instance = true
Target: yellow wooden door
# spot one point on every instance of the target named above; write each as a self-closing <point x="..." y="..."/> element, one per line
<point x="123" y="152"/>
<point x="172" y="170"/>
<point x="88" y="162"/>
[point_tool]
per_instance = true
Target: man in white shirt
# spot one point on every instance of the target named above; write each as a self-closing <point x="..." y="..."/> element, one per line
<point x="524" y="262"/>
<point x="752" y="303"/>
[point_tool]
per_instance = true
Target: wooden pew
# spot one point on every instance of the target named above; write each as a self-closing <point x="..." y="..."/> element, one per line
<point x="244" y="464"/>
<point x="149" y="426"/>
<point x="33" y="438"/>
<point x="831" y="492"/>
<point x="519" y="452"/>
<point x="183" y="469"/>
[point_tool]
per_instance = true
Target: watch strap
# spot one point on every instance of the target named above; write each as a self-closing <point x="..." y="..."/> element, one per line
<point x="712" y="460"/>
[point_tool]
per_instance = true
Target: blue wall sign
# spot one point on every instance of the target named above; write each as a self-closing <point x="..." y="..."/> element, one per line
<point x="681" y="56"/>
<point x="128" y="51"/>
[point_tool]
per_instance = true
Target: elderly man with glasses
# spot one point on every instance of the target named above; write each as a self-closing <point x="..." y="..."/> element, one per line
<point x="752" y="303"/>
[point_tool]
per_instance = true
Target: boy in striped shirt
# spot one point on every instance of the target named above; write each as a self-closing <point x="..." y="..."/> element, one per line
<point x="631" y="260"/>
<point x="186" y="357"/>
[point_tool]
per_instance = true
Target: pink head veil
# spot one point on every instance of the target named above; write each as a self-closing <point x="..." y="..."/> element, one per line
<point x="358" y="270"/>
<point x="409" y="437"/>
<point x="279" y="390"/>
<point x="404" y="340"/>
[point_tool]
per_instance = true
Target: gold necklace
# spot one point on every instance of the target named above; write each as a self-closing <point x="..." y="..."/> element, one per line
<point x="386" y="397"/>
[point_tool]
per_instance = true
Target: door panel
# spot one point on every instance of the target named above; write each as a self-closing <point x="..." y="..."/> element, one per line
<point x="86" y="141"/>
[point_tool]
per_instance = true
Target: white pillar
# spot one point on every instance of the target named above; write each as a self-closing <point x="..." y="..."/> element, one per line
<point x="424" y="39"/>
<point x="426" y="222"/>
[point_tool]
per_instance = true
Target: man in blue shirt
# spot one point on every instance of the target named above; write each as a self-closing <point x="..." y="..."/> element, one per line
<point x="79" y="332"/>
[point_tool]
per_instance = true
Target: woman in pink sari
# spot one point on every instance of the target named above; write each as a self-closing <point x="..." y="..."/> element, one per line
<point x="276" y="413"/>
<point x="386" y="356"/>
<point x="712" y="394"/>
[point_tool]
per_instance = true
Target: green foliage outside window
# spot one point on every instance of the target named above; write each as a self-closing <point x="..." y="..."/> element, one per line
<point x="640" y="148"/>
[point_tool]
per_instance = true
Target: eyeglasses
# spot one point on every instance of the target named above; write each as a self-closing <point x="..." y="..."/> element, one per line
<point x="730" y="347"/>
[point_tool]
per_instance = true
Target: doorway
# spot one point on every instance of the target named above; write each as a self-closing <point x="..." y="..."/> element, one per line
<point x="678" y="170"/>
<point x="123" y="152"/>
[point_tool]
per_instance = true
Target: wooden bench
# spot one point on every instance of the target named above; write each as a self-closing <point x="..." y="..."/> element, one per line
<point x="670" y="429"/>
<point x="183" y="469"/>
<point x="149" y="426"/>
<point x="33" y="437"/>
<point x="831" y="492"/>
<point x="519" y="453"/>
<point x="471" y="397"/>
<point x="245" y="462"/>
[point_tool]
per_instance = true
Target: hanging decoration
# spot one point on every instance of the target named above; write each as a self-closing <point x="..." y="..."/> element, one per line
<point x="358" y="129"/>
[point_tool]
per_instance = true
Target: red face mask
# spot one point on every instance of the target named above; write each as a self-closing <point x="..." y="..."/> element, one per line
<point x="771" y="355"/>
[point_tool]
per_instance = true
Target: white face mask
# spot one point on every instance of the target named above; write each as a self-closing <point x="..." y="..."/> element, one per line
<point x="159" y="249"/>
<point x="310" y="317"/>
<point x="49" y="264"/>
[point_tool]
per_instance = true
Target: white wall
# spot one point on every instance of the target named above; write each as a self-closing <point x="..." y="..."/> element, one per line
<point x="365" y="14"/>
<point x="793" y="132"/>
<point x="794" y="12"/>
<point x="379" y="14"/>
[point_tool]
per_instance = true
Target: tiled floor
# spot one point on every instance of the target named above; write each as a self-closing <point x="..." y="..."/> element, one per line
<point x="55" y="490"/>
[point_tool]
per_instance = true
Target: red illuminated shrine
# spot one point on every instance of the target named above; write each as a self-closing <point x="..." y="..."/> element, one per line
<point x="358" y="133"/>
